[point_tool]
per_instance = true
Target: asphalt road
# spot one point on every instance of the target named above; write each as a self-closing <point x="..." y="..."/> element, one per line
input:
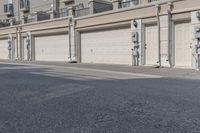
<point x="49" y="99"/>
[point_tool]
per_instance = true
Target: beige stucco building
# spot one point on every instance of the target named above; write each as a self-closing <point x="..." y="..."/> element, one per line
<point x="126" y="32"/>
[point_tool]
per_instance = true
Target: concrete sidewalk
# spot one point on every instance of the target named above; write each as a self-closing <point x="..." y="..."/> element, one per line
<point x="165" y="72"/>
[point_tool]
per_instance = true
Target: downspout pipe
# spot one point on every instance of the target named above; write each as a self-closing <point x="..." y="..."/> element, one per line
<point x="159" y="44"/>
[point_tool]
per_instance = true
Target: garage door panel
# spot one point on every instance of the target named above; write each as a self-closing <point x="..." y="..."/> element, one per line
<point x="151" y="41"/>
<point x="183" y="51"/>
<point x="4" y="49"/>
<point x="52" y="48"/>
<point x="107" y="47"/>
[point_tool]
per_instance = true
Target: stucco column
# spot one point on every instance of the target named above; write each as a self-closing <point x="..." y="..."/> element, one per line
<point x="20" y="44"/>
<point x="115" y="4"/>
<point x="54" y="5"/>
<point x="11" y="21"/>
<point x="12" y="47"/>
<point x="91" y="5"/>
<point x="52" y="16"/>
<point x="164" y="38"/>
<point x="136" y="27"/>
<point x="78" y="45"/>
<point x="27" y="47"/>
<point x="22" y="18"/>
<point x="10" y="41"/>
<point x="72" y="42"/>
<point x="72" y="45"/>
<point x="195" y="22"/>
<point x="36" y="16"/>
<point x="70" y="11"/>
<point x="32" y="49"/>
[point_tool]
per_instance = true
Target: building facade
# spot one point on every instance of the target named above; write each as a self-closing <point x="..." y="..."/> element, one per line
<point x="127" y="32"/>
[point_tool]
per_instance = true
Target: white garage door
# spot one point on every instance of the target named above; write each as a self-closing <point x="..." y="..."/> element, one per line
<point x="183" y="51"/>
<point x="4" y="49"/>
<point x="151" y="45"/>
<point x="52" y="48"/>
<point x="107" y="47"/>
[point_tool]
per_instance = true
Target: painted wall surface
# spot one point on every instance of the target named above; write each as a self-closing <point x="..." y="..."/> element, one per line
<point x="182" y="9"/>
<point x="2" y="16"/>
<point x="195" y="24"/>
<point x="16" y="11"/>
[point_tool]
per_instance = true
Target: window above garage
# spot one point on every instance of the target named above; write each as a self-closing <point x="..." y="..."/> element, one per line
<point x="128" y="3"/>
<point x="8" y="8"/>
<point x="24" y="5"/>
